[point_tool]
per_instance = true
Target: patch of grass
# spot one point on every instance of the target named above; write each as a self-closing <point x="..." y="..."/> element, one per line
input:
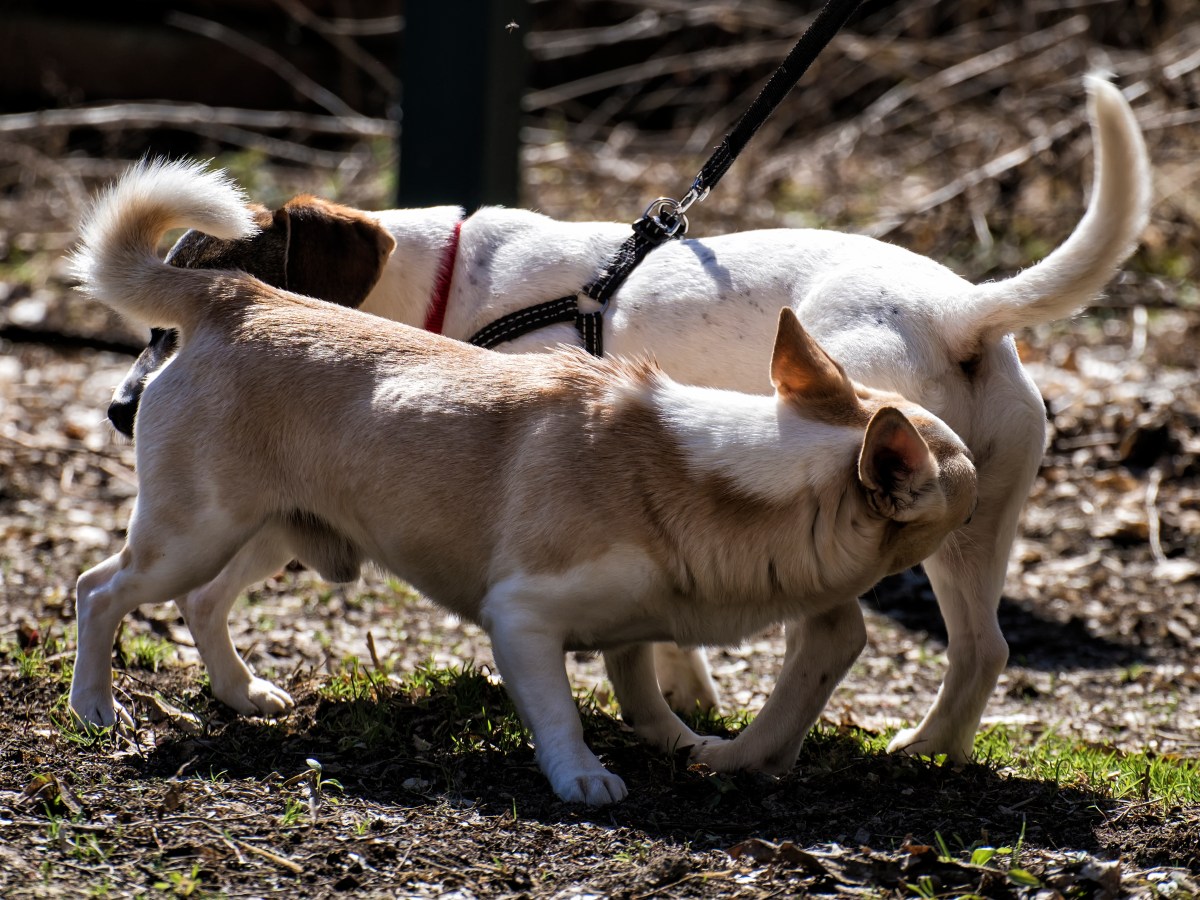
<point x="182" y="884"/>
<point x="1069" y="762"/>
<point x="145" y="651"/>
<point x="41" y="660"/>
<point x="293" y="812"/>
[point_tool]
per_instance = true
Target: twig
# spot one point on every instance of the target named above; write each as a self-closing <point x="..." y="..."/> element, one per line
<point x="343" y="44"/>
<point x="1152" y="519"/>
<point x="271" y="857"/>
<point x="989" y="171"/>
<point x="264" y="55"/>
<point x="938" y="85"/>
<point x="693" y="63"/>
<point x="374" y="655"/>
<point x="280" y="149"/>
<point x="190" y="115"/>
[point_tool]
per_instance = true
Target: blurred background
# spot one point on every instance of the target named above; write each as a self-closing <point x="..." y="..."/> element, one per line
<point x="956" y="128"/>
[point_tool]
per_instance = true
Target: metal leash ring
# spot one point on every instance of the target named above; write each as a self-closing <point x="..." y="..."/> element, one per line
<point x="668" y="215"/>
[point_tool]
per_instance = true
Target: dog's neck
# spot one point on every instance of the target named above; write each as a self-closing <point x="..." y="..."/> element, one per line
<point x="803" y="528"/>
<point x="408" y="286"/>
<point x="757" y="443"/>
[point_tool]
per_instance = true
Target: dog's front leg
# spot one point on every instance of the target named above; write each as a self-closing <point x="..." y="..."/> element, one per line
<point x="529" y="652"/>
<point x="820" y="649"/>
<point x="631" y="671"/>
<point x="206" y="612"/>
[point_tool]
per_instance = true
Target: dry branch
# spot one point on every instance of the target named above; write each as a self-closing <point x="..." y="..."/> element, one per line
<point x="264" y="55"/>
<point x="190" y="115"/>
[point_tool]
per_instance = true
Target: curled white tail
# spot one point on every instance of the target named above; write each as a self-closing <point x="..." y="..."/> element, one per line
<point x="1074" y="274"/>
<point x="117" y="262"/>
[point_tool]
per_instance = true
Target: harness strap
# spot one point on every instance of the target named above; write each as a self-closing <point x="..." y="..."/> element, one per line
<point x="523" y="321"/>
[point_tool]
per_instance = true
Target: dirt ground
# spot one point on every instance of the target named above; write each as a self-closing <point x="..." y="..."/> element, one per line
<point x="1100" y="610"/>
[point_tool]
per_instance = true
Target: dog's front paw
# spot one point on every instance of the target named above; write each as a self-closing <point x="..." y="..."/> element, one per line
<point x="257" y="697"/>
<point x="594" y="789"/>
<point x="736" y="756"/>
<point x="927" y="742"/>
<point x="99" y="710"/>
<point x="585" y="781"/>
<point x="717" y="753"/>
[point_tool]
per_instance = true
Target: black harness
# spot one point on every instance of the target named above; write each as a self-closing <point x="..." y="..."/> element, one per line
<point x="665" y="218"/>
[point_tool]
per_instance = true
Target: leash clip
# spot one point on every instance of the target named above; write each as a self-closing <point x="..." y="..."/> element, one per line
<point x="695" y="194"/>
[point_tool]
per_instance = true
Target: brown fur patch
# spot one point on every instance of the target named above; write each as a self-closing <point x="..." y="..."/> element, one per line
<point x="336" y="253"/>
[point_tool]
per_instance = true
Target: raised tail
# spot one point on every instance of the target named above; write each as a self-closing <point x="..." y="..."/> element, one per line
<point x="117" y="262"/>
<point x="1073" y="275"/>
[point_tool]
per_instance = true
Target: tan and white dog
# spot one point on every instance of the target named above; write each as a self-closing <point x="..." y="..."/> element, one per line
<point x="560" y="501"/>
<point x="706" y="310"/>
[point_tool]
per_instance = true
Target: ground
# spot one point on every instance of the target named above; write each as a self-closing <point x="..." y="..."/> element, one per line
<point x="383" y="782"/>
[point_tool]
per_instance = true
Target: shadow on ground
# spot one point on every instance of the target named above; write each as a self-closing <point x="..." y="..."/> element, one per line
<point x="411" y="752"/>
<point x="1035" y="640"/>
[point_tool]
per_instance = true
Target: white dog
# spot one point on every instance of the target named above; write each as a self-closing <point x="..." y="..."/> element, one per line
<point x="288" y="426"/>
<point x="705" y="309"/>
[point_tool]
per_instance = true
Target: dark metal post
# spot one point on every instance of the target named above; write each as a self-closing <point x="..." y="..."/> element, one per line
<point x="463" y="66"/>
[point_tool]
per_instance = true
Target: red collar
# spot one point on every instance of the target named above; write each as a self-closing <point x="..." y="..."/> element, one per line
<point x="435" y="316"/>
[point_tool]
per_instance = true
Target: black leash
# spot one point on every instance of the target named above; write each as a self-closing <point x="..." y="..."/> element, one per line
<point x="665" y="218"/>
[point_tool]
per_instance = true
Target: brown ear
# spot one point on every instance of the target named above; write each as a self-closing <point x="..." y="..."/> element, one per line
<point x="803" y="372"/>
<point x="895" y="461"/>
<point x="335" y="253"/>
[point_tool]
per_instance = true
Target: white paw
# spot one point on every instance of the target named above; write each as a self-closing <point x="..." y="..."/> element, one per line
<point x="99" y="710"/>
<point x="718" y="754"/>
<point x="258" y="697"/>
<point x="919" y="742"/>
<point x="737" y="756"/>
<point x="592" y="788"/>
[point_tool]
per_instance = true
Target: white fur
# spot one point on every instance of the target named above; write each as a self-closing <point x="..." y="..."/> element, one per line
<point x="737" y="436"/>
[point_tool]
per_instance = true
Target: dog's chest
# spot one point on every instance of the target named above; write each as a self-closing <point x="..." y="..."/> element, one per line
<point x="627" y="596"/>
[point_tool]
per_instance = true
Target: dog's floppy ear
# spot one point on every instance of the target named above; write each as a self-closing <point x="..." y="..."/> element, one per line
<point x="804" y="373"/>
<point x="335" y="253"/>
<point x="895" y="461"/>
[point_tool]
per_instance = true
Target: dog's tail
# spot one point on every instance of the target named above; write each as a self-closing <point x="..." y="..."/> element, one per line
<point x="1074" y="274"/>
<point x="117" y="262"/>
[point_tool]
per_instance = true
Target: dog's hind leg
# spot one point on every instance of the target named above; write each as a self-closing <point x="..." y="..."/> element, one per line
<point x="631" y="671"/>
<point x="206" y="612"/>
<point x="529" y="651"/>
<point x="684" y="679"/>
<point x="819" y="651"/>
<point x="147" y="570"/>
